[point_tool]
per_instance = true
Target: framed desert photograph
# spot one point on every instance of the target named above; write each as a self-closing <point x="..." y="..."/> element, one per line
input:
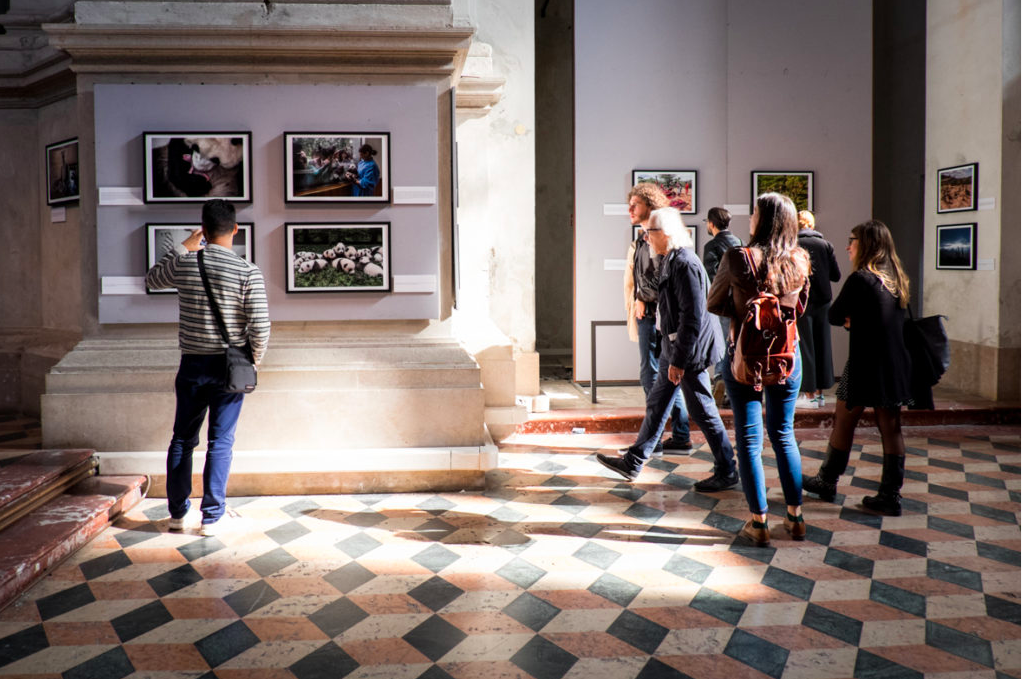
<point x="192" y="167"/>
<point x="956" y="246"/>
<point x="956" y="188"/>
<point x="338" y="257"/>
<point x="796" y="185"/>
<point x="62" y="181"/>
<point x="163" y="238"/>
<point x="337" y="167"/>
<point x="678" y="185"/>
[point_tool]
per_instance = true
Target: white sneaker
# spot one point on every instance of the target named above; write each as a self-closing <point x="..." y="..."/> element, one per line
<point x="208" y="530"/>
<point x="821" y="400"/>
<point x="176" y="525"/>
<point x="225" y="523"/>
<point x="805" y="402"/>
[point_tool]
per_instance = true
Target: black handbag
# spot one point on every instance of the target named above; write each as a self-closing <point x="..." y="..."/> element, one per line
<point x="927" y="344"/>
<point x="240" y="370"/>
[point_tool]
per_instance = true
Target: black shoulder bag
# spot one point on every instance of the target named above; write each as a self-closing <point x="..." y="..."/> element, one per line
<point x="927" y="344"/>
<point x="240" y="373"/>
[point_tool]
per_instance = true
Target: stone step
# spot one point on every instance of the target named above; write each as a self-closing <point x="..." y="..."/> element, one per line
<point x="36" y="543"/>
<point x="32" y="480"/>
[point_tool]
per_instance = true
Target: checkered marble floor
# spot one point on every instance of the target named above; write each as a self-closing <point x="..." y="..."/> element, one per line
<point x="556" y="571"/>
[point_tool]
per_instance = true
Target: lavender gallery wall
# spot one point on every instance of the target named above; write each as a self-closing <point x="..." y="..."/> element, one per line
<point x="724" y="89"/>
<point x="408" y="114"/>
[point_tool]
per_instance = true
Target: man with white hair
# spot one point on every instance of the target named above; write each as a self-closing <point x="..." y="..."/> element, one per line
<point x="692" y="342"/>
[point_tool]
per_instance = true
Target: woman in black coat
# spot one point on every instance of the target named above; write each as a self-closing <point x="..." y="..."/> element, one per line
<point x="872" y="306"/>
<point x="813" y="325"/>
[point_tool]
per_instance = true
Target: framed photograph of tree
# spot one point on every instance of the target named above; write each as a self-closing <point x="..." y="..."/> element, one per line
<point x="956" y="188"/>
<point x="797" y="185"/>
<point x="678" y="185"/>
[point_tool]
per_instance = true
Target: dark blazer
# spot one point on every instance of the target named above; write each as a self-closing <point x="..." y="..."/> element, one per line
<point x="825" y="269"/>
<point x="715" y="249"/>
<point x="693" y="339"/>
<point x="879" y="366"/>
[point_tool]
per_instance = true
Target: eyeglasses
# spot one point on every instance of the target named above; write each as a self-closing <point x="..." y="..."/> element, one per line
<point x="853" y="238"/>
<point x="650" y="230"/>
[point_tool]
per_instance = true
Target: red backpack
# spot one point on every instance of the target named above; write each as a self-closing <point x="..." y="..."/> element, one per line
<point x="767" y="339"/>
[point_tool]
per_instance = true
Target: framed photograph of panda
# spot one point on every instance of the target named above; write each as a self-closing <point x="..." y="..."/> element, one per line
<point x="192" y="167"/>
<point x="162" y="238"/>
<point x="337" y="167"/>
<point x="338" y="257"/>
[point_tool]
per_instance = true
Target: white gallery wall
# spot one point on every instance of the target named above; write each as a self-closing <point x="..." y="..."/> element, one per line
<point x="723" y="88"/>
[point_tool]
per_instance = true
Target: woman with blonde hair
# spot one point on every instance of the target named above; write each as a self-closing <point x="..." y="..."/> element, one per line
<point x="872" y="307"/>
<point x="813" y="327"/>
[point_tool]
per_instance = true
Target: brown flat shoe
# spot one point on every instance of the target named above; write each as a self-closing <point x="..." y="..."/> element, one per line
<point x="758" y="532"/>
<point x="796" y="526"/>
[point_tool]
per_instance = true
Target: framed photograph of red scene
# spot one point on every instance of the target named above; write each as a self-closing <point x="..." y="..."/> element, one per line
<point x="956" y="188"/>
<point x="678" y="185"/>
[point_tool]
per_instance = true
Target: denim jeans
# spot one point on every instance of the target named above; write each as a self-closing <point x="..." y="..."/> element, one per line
<point x="198" y="389"/>
<point x="720" y="367"/>
<point x="747" y="406"/>
<point x="696" y="388"/>
<point x="649" y="349"/>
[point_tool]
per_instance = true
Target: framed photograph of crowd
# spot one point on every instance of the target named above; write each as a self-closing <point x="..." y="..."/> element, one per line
<point x="678" y="185"/>
<point x="797" y="185"/>
<point x="956" y="246"/>
<point x="337" y="167"/>
<point x="163" y="238"/>
<point x="192" y="167"/>
<point x="338" y="257"/>
<point x="62" y="180"/>
<point x="956" y="188"/>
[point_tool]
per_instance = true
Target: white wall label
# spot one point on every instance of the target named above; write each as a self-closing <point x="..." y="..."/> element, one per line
<point x="615" y="209"/>
<point x="58" y="214"/>
<point x="120" y="195"/>
<point x="415" y="284"/>
<point x="738" y="209"/>
<point x="985" y="203"/>
<point x="415" y="195"/>
<point x="122" y="285"/>
<point x="984" y="265"/>
<point x="613" y="265"/>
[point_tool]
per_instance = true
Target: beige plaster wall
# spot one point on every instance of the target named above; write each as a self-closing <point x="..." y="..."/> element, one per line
<point x="965" y="91"/>
<point x="21" y="203"/>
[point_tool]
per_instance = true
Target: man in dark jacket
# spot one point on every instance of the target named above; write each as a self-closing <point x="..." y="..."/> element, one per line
<point x="717" y="221"/>
<point x="692" y="342"/>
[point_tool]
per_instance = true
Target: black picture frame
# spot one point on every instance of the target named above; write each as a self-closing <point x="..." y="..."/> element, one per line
<point x="956" y="246"/>
<point x="637" y="231"/>
<point x="680" y="186"/>
<point x="957" y="187"/>
<point x="324" y="167"/>
<point x="328" y="271"/>
<point x="174" y="174"/>
<point x="157" y="244"/>
<point x="63" y="180"/>
<point x="796" y="184"/>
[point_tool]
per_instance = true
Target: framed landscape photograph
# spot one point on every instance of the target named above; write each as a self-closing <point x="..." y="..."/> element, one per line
<point x="956" y="246"/>
<point x="796" y="185"/>
<point x="338" y="257"/>
<point x="192" y="167"/>
<point x="956" y="188"/>
<point x="337" y="167"/>
<point x="678" y="185"/>
<point x="163" y="238"/>
<point x="62" y="181"/>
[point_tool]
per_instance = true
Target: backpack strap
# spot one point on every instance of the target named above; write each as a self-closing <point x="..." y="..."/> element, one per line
<point x="752" y="267"/>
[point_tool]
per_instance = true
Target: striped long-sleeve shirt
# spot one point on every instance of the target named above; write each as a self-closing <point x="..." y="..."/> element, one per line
<point x="239" y="290"/>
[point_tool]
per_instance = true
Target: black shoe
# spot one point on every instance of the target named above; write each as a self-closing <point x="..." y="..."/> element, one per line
<point x="817" y="484"/>
<point x="717" y="482"/>
<point x="882" y="503"/>
<point x="678" y="445"/>
<point x="617" y="464"/>
<point x="658" y="450"/>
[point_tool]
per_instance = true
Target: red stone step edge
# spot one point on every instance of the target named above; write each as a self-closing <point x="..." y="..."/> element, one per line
<point x="36" y="478"/>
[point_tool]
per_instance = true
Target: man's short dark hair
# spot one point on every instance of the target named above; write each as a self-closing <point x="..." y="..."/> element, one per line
<point x="218" y="217"/>
<point x="719" y="217"/>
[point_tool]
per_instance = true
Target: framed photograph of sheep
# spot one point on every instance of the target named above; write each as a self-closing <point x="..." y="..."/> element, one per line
<point x="163" y="238"/>
<point x="337" y="167"/>
<point x="62" y="172"/>
<point x="956" y="188"/>
<point x="797" y="185"/>
<point x="678" y="185"/>
<point x="338" y="257"/>
<point x="192" y="167"/>
<point x="956" y="246"/>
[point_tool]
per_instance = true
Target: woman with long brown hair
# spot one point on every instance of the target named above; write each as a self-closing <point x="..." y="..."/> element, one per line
<point x="872" y="307"/>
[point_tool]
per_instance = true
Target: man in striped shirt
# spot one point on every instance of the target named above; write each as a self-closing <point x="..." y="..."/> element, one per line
<point x="241" y="295"/>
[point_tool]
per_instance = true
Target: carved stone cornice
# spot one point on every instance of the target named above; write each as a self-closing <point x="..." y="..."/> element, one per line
<point x="96" y="49"/>
<point x="43" y="84"/>
<point x="476" y="95"/>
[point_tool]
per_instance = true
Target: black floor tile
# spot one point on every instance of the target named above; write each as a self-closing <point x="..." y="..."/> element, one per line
<point x="757" y="653"/>
<point x="101" y="565"/>
<point x="597" y="555"/>
<point x="521" y="572"/>
<point x="173" y="580"/>
<point x="946" y="464"/>
<point x="687" y="568"/>
<point x="944" y="491"/>
<point x="435" y="558"/>
<point x="998" y="553"/>
<point x="337" y="617"/>
<point x="435" y="529"/>
<point x="981" y="480"/>
<point x="543" y="659"/>
<point x="65" y="600"/>
<point x="728" y="524"/>
<point x="196" y="549"/>
<point x="700" y="500"/>
<point x="434" y="637"/>
<point x="271" y="562"/>
<point x="435" y="593"/>
<point x="993" y="513"/>
<point x="870" y="666"/>
<point x="531" y="611"/>
<point x="954" y="574"/>
<point x="958" y="643"/>
<point x="613" y="588"/>
<point x="583" y="529"/>
<point x="570" y="504"/>
<point x="556" y="481"/>
<point x="638" y="631"/>
<point x="364" y="519"/>
<point x="329" y="661"/>
<point x="349" y="577"/>
<point x="718" y="605"/>
<point x="654" y="669"/>
<point x="627" y="491"/>
<point x="434" y="672"/>
<point x="251" y="598"/>
<point x="644" y="513"/>
<point x="114" y="664"/>
<point x="849" y="562"/>
<point x="831" y="623"/>
<point x="22" y="644"/>
<point x="507" y="515"/>
<point x="663" y="536"/>
<point x="962" y="530"/>
<point x="898" y="598"/>
<point x="860" y="517"/>
<point x="1009" y="611"/>
<point x="905" y="544"/>
<point x="436" y="504"/>
<point x="302" y="507"/>
<point x="137" y="535"/>
<point x="225" y="643"/>
<point x="141" y="620"/>
<point x="789" y="583"/>
<point x="358" y="545"/>
<point x="287" y="532"/>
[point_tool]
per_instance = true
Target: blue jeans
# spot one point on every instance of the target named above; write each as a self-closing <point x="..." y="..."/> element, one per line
<point x="199" y="388"/>
<point x="649" y="349"/>
<point x="747" y="406"/>
<point x="721" y="366"/>
<point x="696" y="388"/>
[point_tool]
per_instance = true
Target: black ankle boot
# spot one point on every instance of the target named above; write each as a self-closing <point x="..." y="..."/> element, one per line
<point x="887" y="501"/>
<point x="824" y="483"/>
